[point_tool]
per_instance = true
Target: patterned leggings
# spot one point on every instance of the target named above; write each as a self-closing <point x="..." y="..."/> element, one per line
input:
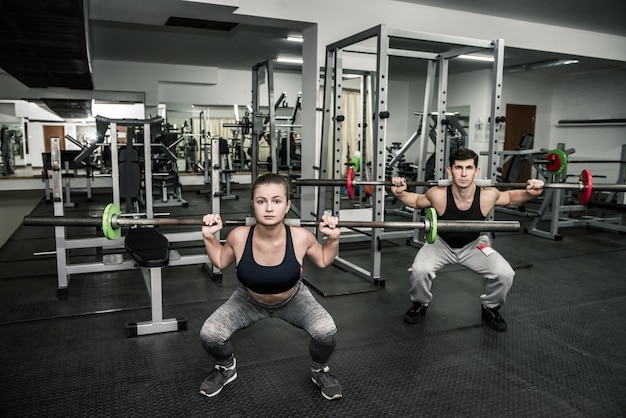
<point x="241" y="311"/>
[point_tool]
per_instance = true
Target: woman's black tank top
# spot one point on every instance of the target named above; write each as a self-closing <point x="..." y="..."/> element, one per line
<point x="269" y="279"/>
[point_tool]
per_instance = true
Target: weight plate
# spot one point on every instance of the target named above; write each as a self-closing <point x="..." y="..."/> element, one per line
<point x="107" y="218"/>
<point x="356" y="163"/>
<point x="557" y="162"/>
<point x="431" y="234"/>
<point x="350" y="182"/>
<point x="585" y="195"/>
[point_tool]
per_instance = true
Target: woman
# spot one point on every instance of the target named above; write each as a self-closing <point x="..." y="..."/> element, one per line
<point x="269" y="265"/>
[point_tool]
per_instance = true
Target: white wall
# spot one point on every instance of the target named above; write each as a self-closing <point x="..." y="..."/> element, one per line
<point x="591" y="96"/>
<point x="468" y="89"/>
<point x="531" y="89"/>
<point x="36" y="143"/>
<point x="401" y="115"/>
<point x="187" y="84"/>
<point x="118" y="110"/>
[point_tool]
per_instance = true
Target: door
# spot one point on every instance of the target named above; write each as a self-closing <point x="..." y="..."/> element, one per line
<point x="520" y="120"/>
<point x="53" y="131"/>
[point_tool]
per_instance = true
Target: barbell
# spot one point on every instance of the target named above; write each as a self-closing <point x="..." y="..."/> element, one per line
<point x="584" y="186"/>
<point x="112" y="221"/>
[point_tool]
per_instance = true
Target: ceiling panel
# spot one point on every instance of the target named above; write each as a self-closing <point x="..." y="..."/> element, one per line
<point x="43" y="43"/>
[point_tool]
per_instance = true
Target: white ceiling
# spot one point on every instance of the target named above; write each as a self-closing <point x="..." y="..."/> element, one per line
<point x="605" y="16"/>
<point x="134" y="31"/>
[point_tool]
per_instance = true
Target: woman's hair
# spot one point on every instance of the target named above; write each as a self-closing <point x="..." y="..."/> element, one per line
<point x="271" y="178"/>
<point x="462" y="154"/>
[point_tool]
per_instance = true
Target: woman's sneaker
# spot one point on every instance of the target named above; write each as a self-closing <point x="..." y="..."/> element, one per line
<point x="331" y="389"/>
<point x="219" y="377"/>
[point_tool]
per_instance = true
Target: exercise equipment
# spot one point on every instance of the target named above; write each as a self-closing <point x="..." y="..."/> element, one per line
<point x="107" y="250"/>
<point x="112" y="221"/>
<point x="150" y="250"/>
<point x="7" y="153"/>
<point x="556" y="162"/>
<point x="584" y="186"/>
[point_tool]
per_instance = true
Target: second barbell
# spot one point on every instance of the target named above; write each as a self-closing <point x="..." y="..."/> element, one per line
<point x="584" y="186"/>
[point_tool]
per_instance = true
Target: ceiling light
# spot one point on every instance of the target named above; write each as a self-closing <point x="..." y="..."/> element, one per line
<point x="540" y="65"/>
<point x="476" y="57"/>
<point x="289" y="60"/>
<point x="292" y="38"/>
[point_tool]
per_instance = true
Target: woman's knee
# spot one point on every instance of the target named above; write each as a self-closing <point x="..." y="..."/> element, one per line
<point x="215" y="343"/>
<point x="324" y="330"/>
<point x="322" y="344"/>
<point x="212" y="334"/>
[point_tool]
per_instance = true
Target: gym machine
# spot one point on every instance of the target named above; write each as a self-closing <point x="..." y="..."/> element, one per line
<point x="114" y="260"/>
<point x="68" y="171"/>
<point x="557" y="207"/>
<point x="7" y="156"/>
<point x="333" y="75"/>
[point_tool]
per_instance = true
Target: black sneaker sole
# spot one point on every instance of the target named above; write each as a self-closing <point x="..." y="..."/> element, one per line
<point x="412" y="320"/>
<point x="495" y="327"/>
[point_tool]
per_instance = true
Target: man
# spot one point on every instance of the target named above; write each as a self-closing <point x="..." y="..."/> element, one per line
<point x="462" y="200"/>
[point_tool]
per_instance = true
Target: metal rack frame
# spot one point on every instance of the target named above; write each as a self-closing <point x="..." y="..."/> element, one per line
<point x="332" y="111"/>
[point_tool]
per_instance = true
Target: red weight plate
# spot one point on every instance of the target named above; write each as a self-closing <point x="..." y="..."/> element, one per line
<point x="557" y="162"/>
<point x="585" y="195"/>
<point x="554" y="162"/>
<point x="350" y="182"/>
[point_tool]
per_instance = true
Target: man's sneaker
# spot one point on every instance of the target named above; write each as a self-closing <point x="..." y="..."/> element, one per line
<point x="493" y="318"/>
<point x="331" y="389"/>
<point x="415" y="313"/>
<point x="218" y="378"/>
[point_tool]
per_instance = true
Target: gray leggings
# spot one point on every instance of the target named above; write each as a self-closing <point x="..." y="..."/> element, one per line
<point x="490" y="265"/>
<point x="241" y="311"/>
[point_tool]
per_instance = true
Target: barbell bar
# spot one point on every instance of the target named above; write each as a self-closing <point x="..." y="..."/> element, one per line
<point x="112" y="221"/>
<point x="555" y="162"/>
<point x="584" y="186"/>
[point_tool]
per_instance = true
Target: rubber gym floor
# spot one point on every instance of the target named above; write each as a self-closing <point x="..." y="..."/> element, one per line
<point x="562" y="356"/>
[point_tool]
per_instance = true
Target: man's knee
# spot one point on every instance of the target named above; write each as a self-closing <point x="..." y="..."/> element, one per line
<point x="506" y="275"/>
<point x="419" y="272"/>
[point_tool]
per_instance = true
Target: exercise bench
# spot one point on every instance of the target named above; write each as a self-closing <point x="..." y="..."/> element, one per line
<point x="151" y="251"/>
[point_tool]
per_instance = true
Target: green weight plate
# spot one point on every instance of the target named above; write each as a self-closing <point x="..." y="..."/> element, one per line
<point x="356" y="163"/>
<point x="107" y="217"/>
<point x="431" y="234"/>
<point x="557" y="162"/>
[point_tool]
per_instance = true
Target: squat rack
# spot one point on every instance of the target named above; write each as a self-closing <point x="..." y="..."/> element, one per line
<point x="392" y="42"/>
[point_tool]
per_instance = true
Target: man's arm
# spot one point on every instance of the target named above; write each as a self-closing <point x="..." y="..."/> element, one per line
<point x="534" y="188"/>
<point x="414" y="200"/>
